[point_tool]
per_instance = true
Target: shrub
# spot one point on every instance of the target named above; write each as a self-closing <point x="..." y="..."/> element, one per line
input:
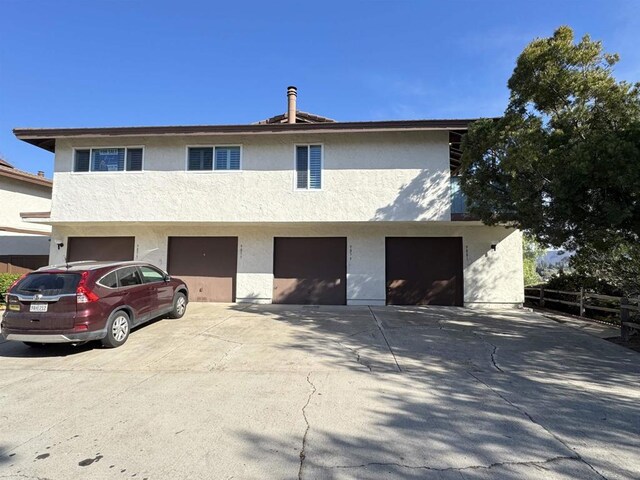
<point x="6" y="279"/>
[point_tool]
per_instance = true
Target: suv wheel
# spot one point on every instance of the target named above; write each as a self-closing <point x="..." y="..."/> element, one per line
<point x="179" y="305"/>
<point x="118" y="328"/>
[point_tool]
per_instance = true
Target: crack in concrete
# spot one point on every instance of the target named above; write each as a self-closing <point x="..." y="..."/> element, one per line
<point x="211" y="335"/>
<point x="493" y="353"/>
<point x="224" y="356"/>
<point x="379" y="324"/>
<point x="539" y="463"/>
<point x="303" y="452"/>
<point x="357" y="354"/>
<point x="493" y="359"/>
<point x="531" y="419"/>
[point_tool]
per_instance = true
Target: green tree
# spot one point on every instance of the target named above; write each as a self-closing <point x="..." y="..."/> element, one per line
<point x="531" y="251"/>
<point x="564" y="161"/>
<point x="615" y="268"/>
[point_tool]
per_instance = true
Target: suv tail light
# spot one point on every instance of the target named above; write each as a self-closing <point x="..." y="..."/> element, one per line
<point x="83" y="293"/>
<point x="8" y="291"/>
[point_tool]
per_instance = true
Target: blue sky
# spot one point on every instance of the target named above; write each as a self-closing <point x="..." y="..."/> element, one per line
<point x="144" y="62"/>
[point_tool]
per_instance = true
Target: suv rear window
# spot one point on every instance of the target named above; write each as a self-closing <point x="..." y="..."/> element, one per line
<point x="47" y="284"/>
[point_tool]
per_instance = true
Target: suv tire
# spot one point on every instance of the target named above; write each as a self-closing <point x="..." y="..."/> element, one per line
<point x="118" y="328"/>
<point x="179" y="305"/>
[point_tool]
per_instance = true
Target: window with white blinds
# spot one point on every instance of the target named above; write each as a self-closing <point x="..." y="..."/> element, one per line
<point x="227" y="158"/>
<point x="309" y="167"/>
<point x="214" y="158"/>
<point x="111" y="159"/>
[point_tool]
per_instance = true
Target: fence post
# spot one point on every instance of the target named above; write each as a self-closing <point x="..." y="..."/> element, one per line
<point x="624" y="317"/>
<point x="582" y="301"/>
<point x="541" y="296"/>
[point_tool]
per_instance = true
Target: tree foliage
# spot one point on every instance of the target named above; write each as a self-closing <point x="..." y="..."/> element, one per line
<point x="531" y="250"/>
<point x="6" y="279"/>
<point x="564" y="161"/>
<point x="617" y="267"/>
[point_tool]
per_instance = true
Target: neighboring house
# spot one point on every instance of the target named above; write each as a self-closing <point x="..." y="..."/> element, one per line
<point x="297" y="208"/>
<point x="23" y="246"/>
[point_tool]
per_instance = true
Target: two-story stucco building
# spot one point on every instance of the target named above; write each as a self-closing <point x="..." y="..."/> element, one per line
<point x="24" y="246"/>
<point x="294" y="209"/>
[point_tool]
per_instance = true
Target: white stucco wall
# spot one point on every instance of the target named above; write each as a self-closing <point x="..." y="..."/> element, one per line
<point x="399" y="176"/>
<point x="491" y="278"/>
<point x="17" y="196"/>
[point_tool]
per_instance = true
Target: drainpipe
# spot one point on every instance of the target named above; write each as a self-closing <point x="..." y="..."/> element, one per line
<point x="292" y="94"/>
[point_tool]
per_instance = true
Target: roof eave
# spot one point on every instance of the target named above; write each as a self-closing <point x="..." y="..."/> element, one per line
<point x="24" y="177"/>
<point x="46" y="137"/>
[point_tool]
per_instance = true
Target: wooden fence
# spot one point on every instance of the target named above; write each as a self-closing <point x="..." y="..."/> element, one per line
<point x="584" y="301"/>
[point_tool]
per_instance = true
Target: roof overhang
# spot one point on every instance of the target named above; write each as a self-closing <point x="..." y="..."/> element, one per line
<point x="46" y="137"/>
<point x="25" y="177"/>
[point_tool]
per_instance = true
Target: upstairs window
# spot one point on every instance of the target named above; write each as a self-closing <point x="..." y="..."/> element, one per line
<point x="227" y="158"/>
<point x="214" y="158"/>
<point x="116" y="159"/>
<point x="200" y="158"/>
<point x="308" y="167"/>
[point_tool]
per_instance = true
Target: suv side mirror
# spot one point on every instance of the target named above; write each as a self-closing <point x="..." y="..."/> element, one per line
<point x="167" y="277"/>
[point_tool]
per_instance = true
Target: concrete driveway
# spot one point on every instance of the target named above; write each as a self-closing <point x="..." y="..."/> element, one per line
<point x="326" y="392"/>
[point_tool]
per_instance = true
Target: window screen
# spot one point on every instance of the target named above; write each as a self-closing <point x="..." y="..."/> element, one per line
<point x="82" y="161"/>
<point x="134" y="159"/>
<point x="309" y="167"/>
<point x="227" y="158"/>
<point x="200" y="158"/>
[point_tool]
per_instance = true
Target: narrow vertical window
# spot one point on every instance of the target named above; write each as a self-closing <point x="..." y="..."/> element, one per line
<point x="81" y="162"/>
<point x="134" y="159"/>
<point x="302" y="167"/>
<point x="309" y="167"/>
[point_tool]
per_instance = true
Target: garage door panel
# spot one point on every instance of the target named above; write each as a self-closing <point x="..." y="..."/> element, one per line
<point x="104" y="249"/>
<point x="208" y="265"/>
<point x="424" y="271"/>
<point x="310" y="291"/>
<point x="310" y="270"/>
<point x="209" y="289"/>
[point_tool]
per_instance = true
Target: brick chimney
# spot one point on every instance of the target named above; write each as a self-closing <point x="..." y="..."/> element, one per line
<point x="292" y="94"/>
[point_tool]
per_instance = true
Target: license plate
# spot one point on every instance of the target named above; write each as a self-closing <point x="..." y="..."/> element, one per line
<point x="38" y="307"/>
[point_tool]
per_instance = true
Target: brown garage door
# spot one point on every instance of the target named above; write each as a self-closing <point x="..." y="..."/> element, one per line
<point x="100" y="248"/>
<point x="424" y="271"/>
<point x="208" y="265"/>
<point x="310" y="270"/>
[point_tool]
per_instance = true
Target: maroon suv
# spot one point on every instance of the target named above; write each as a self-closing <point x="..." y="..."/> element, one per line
<point x="84" y="301"/>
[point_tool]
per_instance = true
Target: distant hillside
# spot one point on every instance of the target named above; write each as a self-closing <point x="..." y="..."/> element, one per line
<point x="554" y="258"/>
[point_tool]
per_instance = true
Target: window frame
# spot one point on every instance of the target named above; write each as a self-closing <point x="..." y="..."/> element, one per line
<point x="160" y="271"/>
<point x="213" y="165"/>
<point x="295" y="167"/>
<point x="136" y="269"/>
<point x="112" y="172"/>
